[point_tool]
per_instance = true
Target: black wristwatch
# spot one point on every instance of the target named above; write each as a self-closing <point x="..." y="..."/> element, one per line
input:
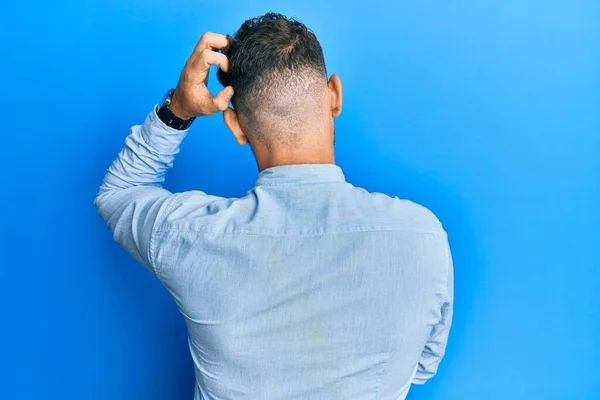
<point x="167" y="116"/>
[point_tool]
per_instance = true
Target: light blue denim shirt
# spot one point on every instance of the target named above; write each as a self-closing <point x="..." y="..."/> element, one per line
<point x="305" y="288"/>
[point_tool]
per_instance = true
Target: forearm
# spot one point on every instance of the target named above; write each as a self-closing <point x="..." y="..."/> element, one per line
<point x="149" y="152"/>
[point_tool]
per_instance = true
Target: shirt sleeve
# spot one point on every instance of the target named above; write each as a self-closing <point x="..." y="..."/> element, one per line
<point x="131" y="199"/>
<point x="435" y="347"/>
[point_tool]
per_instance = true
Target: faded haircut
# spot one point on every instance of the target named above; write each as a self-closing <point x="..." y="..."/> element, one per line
<point x="277" y="70"/>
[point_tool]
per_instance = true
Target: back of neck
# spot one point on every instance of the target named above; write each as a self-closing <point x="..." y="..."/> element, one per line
<point x="313" y="155"/>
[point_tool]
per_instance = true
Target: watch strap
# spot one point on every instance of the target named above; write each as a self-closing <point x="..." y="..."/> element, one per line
<point x="170" y="119"/>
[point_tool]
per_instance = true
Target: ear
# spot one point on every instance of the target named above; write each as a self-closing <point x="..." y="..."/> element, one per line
<point x="335" y="95"/>
<point x="230" y="118"/>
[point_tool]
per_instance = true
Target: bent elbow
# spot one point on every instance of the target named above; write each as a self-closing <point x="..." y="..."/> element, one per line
<point x="98" y="200"/>
<point x="101" y="199"/>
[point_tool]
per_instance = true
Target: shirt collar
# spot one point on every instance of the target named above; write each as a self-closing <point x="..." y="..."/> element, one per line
<point x="285" y="175"/>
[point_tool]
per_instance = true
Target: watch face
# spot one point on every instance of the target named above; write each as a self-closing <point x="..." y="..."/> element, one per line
<point x="166" y="100"/>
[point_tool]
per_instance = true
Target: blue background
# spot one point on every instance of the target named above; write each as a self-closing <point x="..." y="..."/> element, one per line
<point x="486" y="112"/>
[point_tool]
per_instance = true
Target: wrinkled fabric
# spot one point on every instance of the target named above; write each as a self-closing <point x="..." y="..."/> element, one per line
<point x="307" y="287"/>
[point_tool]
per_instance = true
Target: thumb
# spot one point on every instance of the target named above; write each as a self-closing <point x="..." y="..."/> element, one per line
<point x="223" y="98"/>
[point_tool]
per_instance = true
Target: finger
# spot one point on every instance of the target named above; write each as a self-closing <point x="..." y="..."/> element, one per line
<point x="222" y="99"/>
<point x="212" y="41"/>
<point x="207" y="57"/>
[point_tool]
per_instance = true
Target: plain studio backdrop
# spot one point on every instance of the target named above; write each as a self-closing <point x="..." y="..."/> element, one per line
<point x="486" y="112"/>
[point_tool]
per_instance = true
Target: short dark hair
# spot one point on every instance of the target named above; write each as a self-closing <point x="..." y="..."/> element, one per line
<point x="267" y="47"/>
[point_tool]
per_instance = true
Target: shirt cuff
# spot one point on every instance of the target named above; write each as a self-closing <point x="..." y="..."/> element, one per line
<point x="162" y="138"/>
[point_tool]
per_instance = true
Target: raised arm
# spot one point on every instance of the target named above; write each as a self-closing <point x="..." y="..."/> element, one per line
<point x="131" y="199"/>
